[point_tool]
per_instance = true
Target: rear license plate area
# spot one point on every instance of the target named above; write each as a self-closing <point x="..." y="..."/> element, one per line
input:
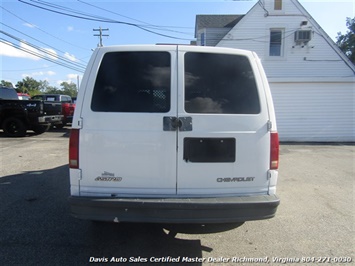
<point x="209" y="150"/>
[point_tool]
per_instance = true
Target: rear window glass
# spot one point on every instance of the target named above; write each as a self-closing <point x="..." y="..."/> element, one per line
<point x="220" y="83"/>
<point x="50" y="98"/>
<point x="8" y="94"/>
<point x="133" y="82"/>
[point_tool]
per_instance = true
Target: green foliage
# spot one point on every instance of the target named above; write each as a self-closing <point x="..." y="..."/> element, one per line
<point x="29" y="85"/>
<point x="33" y="87"/>
<point x="346" y="42"/>
<point x="7" y="84"/>
<point x="69" y="88"/>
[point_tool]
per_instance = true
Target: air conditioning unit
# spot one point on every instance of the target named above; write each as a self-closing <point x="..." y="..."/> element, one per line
<point x="303" y="36"/>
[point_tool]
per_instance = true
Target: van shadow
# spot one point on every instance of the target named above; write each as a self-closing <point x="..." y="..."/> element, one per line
<point x="154" y="241"/>
<point x="35" y="216"/>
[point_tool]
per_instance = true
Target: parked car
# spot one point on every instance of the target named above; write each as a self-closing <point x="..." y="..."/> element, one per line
<point x="23" y="96"/>
<point x="68" y="106"/>
<point x="174" y="134"/>
<point x="18" y="116"/>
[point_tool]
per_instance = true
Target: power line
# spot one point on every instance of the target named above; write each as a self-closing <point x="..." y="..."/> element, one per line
<point x="38" y="28"/>
<point x="42" y="53"/>
<point x="147" y="25"/>
<point x="34" y="39"/>
<point x="49" y="53"/>
<point x="6" y="42"/>
<point x="84" y="16"/>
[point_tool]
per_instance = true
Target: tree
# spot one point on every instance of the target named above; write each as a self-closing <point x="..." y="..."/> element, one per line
<point x="7" y="84"/>
<point x="33" y="87"/>
<point x="29" y="85"/>
<point x="53" y="90"/>
<point x="69" y="88"/>
<point x="346" y="42"/>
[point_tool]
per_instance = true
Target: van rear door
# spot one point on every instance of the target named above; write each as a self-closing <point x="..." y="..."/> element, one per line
<point x="123" y="147"/>
<point x="223" y="139"/>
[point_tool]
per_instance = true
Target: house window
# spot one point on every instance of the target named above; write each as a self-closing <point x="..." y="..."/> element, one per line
<point x="278" y="5"/>
<point x="275" y="42"/>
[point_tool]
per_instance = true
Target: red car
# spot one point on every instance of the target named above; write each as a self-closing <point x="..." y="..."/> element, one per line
<point x="23" y="96"/>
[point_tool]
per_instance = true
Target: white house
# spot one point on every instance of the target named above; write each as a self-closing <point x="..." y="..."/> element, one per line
<point x="312" y="81"/>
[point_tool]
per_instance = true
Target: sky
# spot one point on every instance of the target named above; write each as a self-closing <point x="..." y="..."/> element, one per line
<point x="65" y="43"/>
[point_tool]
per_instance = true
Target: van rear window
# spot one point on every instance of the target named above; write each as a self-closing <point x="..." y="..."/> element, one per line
<point x="220" y="83"/>
<point x="133" y="82"/>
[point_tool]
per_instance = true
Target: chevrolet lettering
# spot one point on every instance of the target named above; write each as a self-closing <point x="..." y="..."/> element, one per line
<point x="235" y="179"/>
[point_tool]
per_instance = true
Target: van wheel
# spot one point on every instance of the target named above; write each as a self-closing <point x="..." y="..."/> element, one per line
<point x="14" y="127"/>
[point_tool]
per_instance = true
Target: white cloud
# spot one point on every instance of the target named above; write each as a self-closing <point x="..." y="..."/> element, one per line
<point x="39" y="74"/>
<point x="70" y="57"/>
<point x="30" y="25"/>
<point x="26" y="51"/>
<point x="25" y="75"/>
<point x="70" y="28"/>
<point x="51" y="53"/>
<point x="72" y="76"/>
<point x="7" y="49"/>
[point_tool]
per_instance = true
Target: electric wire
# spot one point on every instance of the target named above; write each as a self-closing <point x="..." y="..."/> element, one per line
<point x="43" y="50"/>
<point x="39" y="41"/>
<point x="148" y="25"/>
<point x="100" y="19"/>
<point x="42" y="53"/>
<point x="38" y="28"/>
<point x="6" y="42"/>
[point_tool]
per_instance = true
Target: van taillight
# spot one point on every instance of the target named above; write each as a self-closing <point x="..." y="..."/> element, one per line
<point x="274" y="155"/>
<point x="74" y="149"/>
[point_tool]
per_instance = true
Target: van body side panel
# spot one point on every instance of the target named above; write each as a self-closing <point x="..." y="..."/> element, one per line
<point x="273" y="174"/>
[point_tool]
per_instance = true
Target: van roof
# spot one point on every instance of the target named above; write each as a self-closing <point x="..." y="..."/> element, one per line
<point x="182" y="47"/>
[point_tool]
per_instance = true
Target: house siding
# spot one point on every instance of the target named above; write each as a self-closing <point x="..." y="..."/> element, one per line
<point x="317" y="58"/>
<point x="212" y="35"/>
<point x="315" y="111"/>
<point x="313" y="85"/>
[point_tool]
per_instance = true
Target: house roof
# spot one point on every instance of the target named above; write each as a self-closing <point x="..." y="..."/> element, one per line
<point x="216" y="21"/>
<point x="230" y="21"/>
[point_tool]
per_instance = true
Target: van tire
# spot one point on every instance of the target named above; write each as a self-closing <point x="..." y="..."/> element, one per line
<point x="14" y="127"/>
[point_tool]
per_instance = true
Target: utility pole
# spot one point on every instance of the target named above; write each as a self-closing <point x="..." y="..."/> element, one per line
<point x="77" y="82"/>
<point x="100" y="35"/>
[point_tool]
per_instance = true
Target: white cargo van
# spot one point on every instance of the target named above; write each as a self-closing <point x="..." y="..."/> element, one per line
<point x="174" y="134"/>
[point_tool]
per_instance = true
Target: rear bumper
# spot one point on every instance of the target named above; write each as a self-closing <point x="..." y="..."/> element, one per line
<point x="175" y="210"/>
<point x="50" y="119"/>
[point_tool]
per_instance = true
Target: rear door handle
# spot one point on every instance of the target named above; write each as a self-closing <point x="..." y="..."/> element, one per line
<point x="172" y="123"/>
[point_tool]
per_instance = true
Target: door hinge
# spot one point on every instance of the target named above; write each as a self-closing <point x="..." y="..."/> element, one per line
<point x="80" y="123"/>
<point x="79" y="174"/>
<point x="269" y="125"/>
